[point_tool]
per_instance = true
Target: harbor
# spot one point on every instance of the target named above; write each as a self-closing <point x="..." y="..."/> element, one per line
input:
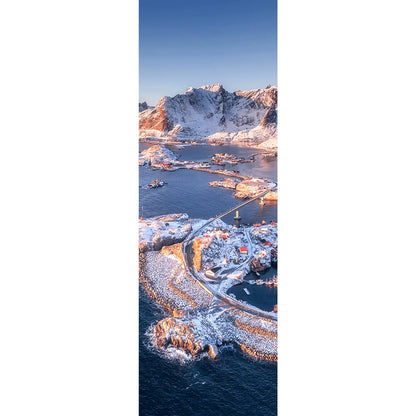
<point x="263" y="290"/>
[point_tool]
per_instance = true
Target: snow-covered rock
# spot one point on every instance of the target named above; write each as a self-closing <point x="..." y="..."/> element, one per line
<point x="156" y="232"/>
<point x="269" y="144"/>
<point x="156" y="154"/>
<point x="210" y="112"/>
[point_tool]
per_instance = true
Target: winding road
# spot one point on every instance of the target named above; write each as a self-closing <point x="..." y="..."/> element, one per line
<point x="211" y="286"/>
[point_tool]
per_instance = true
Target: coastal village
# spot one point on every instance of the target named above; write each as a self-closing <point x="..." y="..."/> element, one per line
<point x="188" y="266"/>
<point x="225" y="158"/>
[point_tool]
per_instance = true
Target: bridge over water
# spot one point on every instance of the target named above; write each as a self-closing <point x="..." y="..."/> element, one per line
<point x="263" y="193"/>
<point x="222" y="297"/>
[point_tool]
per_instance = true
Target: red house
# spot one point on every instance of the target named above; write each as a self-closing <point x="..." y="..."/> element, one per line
<point x="243" y="250"/>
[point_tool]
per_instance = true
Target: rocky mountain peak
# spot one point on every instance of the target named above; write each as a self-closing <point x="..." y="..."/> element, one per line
<point x="213" y="87"/>
<point x="210" y="110"/>
<point x="143" y="106"/>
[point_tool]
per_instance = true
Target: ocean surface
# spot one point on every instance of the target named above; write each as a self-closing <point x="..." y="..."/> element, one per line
<point x="232" y="384"/>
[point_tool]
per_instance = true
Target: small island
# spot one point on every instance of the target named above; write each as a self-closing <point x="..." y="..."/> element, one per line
<point x="160" y="157"/>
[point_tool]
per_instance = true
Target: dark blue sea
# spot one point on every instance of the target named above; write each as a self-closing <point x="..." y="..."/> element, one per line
<point x="233" y="384"/>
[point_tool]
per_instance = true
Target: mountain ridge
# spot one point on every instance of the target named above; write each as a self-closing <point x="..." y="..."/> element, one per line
<point x="211" y="113"/>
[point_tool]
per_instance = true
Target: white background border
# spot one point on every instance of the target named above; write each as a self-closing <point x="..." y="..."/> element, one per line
<point x="68" y="161"/>
<point x="346" y="208"/>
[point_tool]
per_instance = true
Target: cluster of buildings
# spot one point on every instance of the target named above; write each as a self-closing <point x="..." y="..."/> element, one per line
<point x="229" y="183"/>
<point x="253" y="186"/>
<point x="219" y="249"/>
<point x="196" y="327"/>
<point x="223" y="158"/>
<point x="265" y="251"/>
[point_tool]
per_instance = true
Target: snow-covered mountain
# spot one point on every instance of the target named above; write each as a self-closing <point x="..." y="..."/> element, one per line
<point x="212" y="113"/>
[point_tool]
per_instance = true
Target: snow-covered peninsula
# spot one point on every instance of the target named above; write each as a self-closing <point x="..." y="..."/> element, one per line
<point x="190" y="280"/>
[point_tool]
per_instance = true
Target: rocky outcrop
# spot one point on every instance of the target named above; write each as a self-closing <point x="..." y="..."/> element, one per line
<point x="255" y="336"/>
<point x="264" y="96"/>
<point x="212" y="350"/>
<point x="158" y="232"/>
<point x="258" y="353"/>
<point x="156" y="119"/>
<point x="269" y="118"/>
<point x="143" y="106"/>
<point x="155" y="155"/>
<point x="171" y="332"/>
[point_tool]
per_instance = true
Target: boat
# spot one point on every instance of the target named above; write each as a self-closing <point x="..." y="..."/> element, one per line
<point x="210" y="273"/>
<point x="246" y="290"/>
<point x="156" y="184"/>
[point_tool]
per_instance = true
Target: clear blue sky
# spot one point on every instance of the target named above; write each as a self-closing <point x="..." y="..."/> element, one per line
<point x="184" y="43"/>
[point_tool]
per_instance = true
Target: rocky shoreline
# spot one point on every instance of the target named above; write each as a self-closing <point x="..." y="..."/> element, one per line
<point x="165" y="230"/>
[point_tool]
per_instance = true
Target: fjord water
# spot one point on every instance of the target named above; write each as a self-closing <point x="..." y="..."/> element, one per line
<point x="233" y="384"/>
<point x="188" y="190"/>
